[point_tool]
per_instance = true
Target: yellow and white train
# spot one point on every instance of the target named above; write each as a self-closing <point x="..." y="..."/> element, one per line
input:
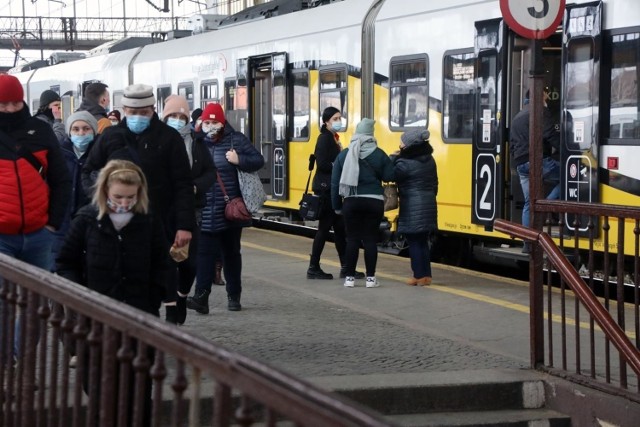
<point x="454" y="67"/>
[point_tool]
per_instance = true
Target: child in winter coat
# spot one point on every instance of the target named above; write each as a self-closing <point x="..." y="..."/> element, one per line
<point x="114" y="246"/>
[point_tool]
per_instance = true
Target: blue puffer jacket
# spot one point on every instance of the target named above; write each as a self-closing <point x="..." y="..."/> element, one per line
<point x="251" y="160"/>
<point x="417" y="179"/>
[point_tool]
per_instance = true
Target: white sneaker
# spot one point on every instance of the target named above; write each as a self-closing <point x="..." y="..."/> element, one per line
<point x="349" y="281"/>
<point x="372" y="282"/>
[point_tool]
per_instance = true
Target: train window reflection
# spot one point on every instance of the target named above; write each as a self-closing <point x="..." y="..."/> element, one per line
<point x="209" y="92"/>
<point x="333" y="91"/>
<point x="300" y="125"/>
<point x="624" y="115"/>
<point x="457" y="96"/>
<point x="409" y="92"/>
<point x="162" y="93"/>
<point x="186" y="90"/>
<point x="581" y="101"/>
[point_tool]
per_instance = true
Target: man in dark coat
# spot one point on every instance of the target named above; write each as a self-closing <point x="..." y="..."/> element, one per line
<point x="50" y="112"/>
<point x="519" y="138"/>
<point x="159" y="150"/>
<point x="96" y="100"/>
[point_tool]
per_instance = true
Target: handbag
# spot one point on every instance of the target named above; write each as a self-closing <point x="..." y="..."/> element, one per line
<point x="252" y="190"/>
<point x="311" y="204"/>
<point x="234" y="209"/>
<point x="390" y="192"/>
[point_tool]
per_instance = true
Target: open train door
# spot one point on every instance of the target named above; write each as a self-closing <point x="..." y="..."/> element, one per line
<point x="267" y="106"/>
<point x="487" y="187"/>
<point x="581" y="53"/>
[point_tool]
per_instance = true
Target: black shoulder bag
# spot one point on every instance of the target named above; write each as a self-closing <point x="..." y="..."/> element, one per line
<point x="22" y="152"/>
<point x="311" y="204"/>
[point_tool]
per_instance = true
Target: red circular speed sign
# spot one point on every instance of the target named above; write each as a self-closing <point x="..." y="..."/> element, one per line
<point x="533" y="19"/>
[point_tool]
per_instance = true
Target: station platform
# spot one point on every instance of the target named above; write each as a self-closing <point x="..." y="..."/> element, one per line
<point x="315" y="328"/>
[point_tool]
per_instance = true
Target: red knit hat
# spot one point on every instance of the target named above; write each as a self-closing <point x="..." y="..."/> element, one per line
<point x="213" y="111"/>
<point x="10" y="89"/>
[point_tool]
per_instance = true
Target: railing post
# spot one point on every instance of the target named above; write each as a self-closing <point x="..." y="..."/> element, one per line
<point x="535" y="193"/>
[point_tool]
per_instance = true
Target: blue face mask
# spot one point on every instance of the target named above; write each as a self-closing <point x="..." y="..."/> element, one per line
<point x="138" y="124"/>
<point x="81" y="142"/>
<point x="176" y="123"/>
<point x="336" y="126"/>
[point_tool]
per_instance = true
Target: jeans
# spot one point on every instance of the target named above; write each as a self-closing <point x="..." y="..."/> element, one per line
<point x="362" y="216"/>
<point x="210" y="246"/>
<point x="420" y="254"/>
<point x="550" y="173"/>
<point x="35" y="249"/>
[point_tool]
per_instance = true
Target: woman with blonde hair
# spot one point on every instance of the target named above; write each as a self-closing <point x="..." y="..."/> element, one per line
<point x="115" y="246"/>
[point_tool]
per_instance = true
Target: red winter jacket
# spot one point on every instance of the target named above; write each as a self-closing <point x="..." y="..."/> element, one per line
<point x="27" y="201"/>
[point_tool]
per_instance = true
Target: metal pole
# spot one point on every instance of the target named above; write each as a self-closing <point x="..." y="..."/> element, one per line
<point x="535" y="193"/>
<point x="124" y="18"/>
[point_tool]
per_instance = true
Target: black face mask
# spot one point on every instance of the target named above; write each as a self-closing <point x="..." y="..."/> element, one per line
<point x="47" y="112"/>
<point x="10" y="121"/>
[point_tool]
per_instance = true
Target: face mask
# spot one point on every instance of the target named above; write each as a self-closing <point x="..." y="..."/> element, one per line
<point x="138" y="124"/>
<point x="114" y="122"/>
<point x="175" y="123"/>
<point x="81" y="142"/>
<point x="116" y="208"/>
<point x="336" y="126"/>
<point x="212" y="129"/>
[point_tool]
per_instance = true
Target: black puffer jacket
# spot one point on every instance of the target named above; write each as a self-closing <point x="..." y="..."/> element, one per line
<point x="159" y="151"/>
<point x="251" y="160"/>
<point x="519" y="136"/>
<point x="130" y="265"/>
<point x="417" y="179"/>
<point x="326" y="151"/>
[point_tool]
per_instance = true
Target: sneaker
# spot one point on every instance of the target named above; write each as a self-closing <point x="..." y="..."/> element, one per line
<point x="372" y="282"/>
<point x="349" y="281"/>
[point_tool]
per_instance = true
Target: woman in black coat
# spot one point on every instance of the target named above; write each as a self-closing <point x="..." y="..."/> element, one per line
<point x="327" y="149"/>
<point x="417" y="179"/>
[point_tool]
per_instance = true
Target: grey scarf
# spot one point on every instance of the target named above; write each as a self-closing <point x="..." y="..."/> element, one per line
<point x="359" y="148"/>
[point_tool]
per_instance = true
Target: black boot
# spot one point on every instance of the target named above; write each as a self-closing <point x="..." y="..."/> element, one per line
<point x="234" y="303"/>
<point x="315" y="272"/>
<point x="199" y="302"/>
<point x="343" y="273"/>
<point x="171" y="314"/>
<point x="181" y="310"/>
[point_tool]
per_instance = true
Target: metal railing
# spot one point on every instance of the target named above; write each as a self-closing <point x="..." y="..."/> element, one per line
<point x="133" y="369"/>
<point x="610" y="320"/>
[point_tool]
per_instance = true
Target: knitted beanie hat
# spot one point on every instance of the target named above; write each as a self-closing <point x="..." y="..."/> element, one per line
<point x="10" y="89"/>
<point x="365" y="127"/>
<point x="414" y="136"/>
<point x="213" y="111"/>
<point x="47" y="97"/>
<point x="175" y="104"/>
<point x="85" y="116"/>
<point x="138" y="96"/>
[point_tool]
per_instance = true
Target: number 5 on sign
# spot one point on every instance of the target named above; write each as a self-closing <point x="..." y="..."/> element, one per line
<point x="533" y="19"/>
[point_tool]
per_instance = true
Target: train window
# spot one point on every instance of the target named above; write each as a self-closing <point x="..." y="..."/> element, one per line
<point x="333" y="91"/>
<point x="300" y="93"/>
<point x="279" y="102"/>
<point x="229" y="94"/>
<point x="458" y="95"/>
<point x="409" y="92"/>
<point x="624" y="116"/>
<point x="116" y="99"/>
<point x="163" y="93"/>
<point x="209" y="92"/>
<point x="186" y="89"/>
<point x="581" y="111"/>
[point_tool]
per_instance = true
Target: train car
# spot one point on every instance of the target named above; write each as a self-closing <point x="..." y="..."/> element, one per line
<point x="455" y="68"/>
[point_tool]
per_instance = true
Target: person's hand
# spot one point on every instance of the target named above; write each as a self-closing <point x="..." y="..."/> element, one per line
<point x="232" y="157"/>
<point x="182" y="238"/>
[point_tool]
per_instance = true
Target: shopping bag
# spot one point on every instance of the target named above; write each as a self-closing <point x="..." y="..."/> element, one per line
<point x="252" y="190"/>
<point x="390" y="197"/>
<point x="310" y="207"/>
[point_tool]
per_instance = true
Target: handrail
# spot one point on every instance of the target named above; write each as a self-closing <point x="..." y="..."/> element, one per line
<point x="303" y="402"/>
<point x="610" y="328"/>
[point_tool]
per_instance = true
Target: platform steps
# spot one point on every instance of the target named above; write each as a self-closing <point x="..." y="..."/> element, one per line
<point x="458" y="398"/>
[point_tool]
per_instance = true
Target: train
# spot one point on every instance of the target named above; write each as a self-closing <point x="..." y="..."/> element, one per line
<point x="453" y="67"/>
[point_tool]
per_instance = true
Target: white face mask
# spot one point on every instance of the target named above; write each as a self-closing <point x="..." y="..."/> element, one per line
<point x="212" y="129"/>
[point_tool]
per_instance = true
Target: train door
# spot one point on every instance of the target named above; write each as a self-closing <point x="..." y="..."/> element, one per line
<point x="267" y="106"/>
<point x="488" y="151"/>
<point x="581" y="54"/>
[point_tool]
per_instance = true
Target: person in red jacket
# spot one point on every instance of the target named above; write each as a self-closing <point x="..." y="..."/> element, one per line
<point x="34" y="183"/>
